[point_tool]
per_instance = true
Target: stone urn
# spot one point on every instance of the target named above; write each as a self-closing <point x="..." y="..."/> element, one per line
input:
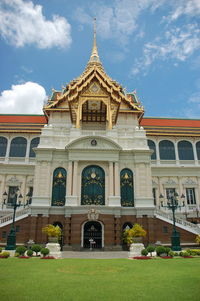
<point x="52" y="239"/>
<point x="137" y="239"/>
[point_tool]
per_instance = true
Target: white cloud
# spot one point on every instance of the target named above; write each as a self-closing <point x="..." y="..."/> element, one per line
<point x="184" y="7"/>
<point x="177" y="43"/>
<point x="118" y="19"/>
<point x="27" y="98"/>
<point x="23" y="23"/>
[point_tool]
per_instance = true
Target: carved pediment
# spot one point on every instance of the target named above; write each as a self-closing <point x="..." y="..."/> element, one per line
<point x="13" y="181"/>
<point x="93" y="143"/>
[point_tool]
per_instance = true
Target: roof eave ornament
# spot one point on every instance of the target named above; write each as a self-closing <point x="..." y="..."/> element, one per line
<point x="94" y="58"/>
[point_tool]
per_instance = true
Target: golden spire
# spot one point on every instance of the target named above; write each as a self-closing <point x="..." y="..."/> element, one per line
<point x="94" y="58"/>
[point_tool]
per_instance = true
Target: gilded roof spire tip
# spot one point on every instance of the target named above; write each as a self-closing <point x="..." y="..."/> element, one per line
<point x="94" y="58"/>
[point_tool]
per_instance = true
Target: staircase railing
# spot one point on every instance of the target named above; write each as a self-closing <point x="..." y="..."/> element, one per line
<point x="9" y="217"/>
<point x="179" y="221"/>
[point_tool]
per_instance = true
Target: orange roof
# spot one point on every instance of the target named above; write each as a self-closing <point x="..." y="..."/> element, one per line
<point x="171" y="127"/>
<point x="148" y="121"/>
<point x="153" y="126"/>
<point x="22" y="123"/>
<point x="23" y="119"/>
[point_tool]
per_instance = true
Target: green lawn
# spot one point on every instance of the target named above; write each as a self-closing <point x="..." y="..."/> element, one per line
<point x="99" y="279"/>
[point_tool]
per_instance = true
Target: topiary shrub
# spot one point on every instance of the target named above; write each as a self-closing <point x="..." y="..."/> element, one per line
<point x="184" y="254"/>
<point x="144" y="252"/>
<point x="29" y="253"/>
<point x="160" y="250"/>
<point x="171" y="253"/>
<point x="5" y="254"/>
<point x="176" y="254"/>
<point x="21" y="250"/>
<point x="189" y="251"/>
<point x="150" y="249"/>
<point x="36" y="248"/>
<point x="167" y="250"/>
<point x="44" y="251"/>
<point x="195" y="252"/>
<point x="1" y="249"/>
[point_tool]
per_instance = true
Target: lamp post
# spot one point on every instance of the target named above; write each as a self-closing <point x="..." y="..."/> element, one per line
<point x="197" y="212"/>
<point x="11" y="239"/>
<point x="172" y="203"/>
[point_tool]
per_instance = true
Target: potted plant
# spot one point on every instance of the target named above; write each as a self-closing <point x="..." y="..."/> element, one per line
<point x="134" y="235"/>
<point x="53" y="232"/>
<point x="36" y="248"/>
<point x="44" y="252"/>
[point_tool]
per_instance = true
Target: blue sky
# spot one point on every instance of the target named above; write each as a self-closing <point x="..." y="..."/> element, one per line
<point x="152" y="46"/>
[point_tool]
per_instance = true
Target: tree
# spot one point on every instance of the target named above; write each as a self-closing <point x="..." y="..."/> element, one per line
<point x="136" y="231"/>
<point x="36" y="248"/>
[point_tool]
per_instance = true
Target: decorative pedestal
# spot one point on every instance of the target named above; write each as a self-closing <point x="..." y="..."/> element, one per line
<point x="135" y="249"/>
<point x="54" y="249"/>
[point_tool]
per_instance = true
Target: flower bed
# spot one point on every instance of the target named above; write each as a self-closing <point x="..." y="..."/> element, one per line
<point x="48" y="257"/>
<point x="142" y="257"/>
<point x="187" y="256"/>
<point x="25" y="257"/>
<point x="166" y="257"/>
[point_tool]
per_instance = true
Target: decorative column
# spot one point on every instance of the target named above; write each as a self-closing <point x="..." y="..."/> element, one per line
<point x="8" y="150"/>
<point x="114" y="199"/>
<point x="69" y="179"/>
<point x="117" y="182"/>
<point x="110" y="178"/>
<point x="27" y="150"/>
<point x="71" y="197"/>
<point x="75" y="176"/>
<point x="157" y="152"/>
<point x="176" y="152"/>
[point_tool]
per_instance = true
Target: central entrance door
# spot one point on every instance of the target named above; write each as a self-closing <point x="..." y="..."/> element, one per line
<point x="92" y="235"/>
<point x="93" y="186"/>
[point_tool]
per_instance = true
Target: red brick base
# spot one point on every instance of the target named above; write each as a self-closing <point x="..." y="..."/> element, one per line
<point x="31" y="228"/>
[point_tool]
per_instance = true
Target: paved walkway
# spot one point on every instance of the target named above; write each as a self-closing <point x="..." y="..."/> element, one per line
<point x="95" y="254"/>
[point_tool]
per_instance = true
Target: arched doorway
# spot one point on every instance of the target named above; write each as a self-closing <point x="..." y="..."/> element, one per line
<point x="126" y="226"/>
<point x="61" y="242"/>
<point x="93" y="186"/>
<point x="92" y="231"/>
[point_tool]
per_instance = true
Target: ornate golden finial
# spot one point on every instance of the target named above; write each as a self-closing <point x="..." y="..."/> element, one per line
<point x="94" y="56"/>
<point x="60" y="175"/>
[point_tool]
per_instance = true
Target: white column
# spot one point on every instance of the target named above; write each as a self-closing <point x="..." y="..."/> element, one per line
<point x="117" y="182"/>
<point x="111" y="178"/>
<point x="157" y="152"/>
<point x="71" y="197"/>
<point x="195" y="152"/>
<point x="69" y="178"/>
<point x="27" y="149"/>
<point x="8" y="150"/>
<point x="176" y="152"/>
<point x="75" y="177"/>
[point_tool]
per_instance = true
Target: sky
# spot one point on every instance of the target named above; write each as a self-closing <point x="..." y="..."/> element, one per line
<point x="151" y="46"/>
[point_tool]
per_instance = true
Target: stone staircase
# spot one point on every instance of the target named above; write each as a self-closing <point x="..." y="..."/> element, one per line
<point x="181" y="223"/>
<point x="20" y="214"/>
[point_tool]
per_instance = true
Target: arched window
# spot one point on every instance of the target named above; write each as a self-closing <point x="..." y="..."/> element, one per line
<point x="18" y="147"/>
<point x="185" y="150"/>
<point x="166" y="149"/>
<point x="126" y="185"/>
<point x="198" y="150"/>
<point x="3" y="146"/>
<point x="127" y="226"/>
<point x="34" y="143"/>
<point x="59" y="187"/>
<point x="152" y="146"/>
<point x="93" y="186"/>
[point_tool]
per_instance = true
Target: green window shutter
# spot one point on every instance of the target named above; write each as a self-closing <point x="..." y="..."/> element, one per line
<point x="59" y="187"/>
<point x="93" y="186"/>
<point x="126" y="185"/>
